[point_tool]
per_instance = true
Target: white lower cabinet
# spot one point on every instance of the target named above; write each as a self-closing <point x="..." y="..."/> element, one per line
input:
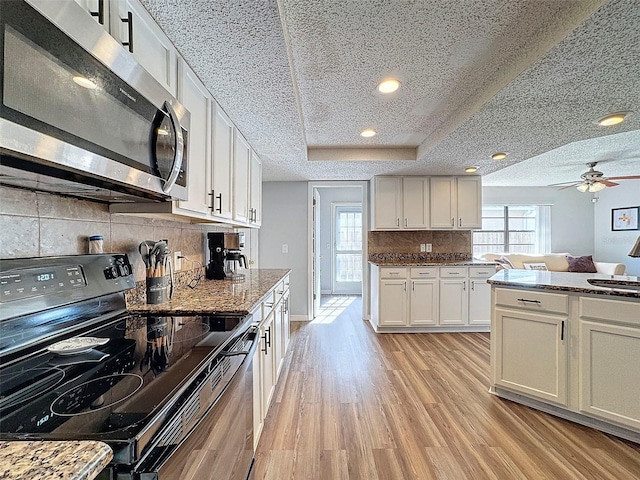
<point x="608" y="351"/>
<point x="273" y="340"/>
<point x="571" y="354"/>
<point x="531" y="354"/>
<point x="480" y="295"/>
<point x="425" y="297"/>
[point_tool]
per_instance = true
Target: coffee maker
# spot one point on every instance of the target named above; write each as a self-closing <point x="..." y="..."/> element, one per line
<point x="217" y="253"/>
<point x="225" y="256"/>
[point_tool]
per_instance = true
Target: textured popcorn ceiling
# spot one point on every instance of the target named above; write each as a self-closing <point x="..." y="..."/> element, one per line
<point x="529" y="77"/>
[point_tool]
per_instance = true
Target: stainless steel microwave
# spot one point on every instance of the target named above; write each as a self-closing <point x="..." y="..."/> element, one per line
<point x="77" y="107"/>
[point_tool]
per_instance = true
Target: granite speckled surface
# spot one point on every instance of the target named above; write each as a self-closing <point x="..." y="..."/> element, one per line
<point x="214" y="296"/>
<point x="422" y="259"/>
<point x="563" y="281"/>
<point x="68" y="460"/>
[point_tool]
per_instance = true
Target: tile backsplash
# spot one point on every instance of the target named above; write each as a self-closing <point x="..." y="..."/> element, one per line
<point x="446" y="244"/>
<point x="36" y="224"/>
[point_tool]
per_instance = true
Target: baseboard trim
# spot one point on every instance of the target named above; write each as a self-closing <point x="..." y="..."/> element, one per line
<point x="298" y="318"/>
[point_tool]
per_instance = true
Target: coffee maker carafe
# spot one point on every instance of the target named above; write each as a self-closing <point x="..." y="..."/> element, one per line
<point x="217" y="252"/>
<point x="235" y="263"/>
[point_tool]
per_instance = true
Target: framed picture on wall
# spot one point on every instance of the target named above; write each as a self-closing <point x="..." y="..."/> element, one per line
<point x="624" y="218"/>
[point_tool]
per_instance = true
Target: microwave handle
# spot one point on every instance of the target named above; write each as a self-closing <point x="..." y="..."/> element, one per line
<point x="177" y="161"/>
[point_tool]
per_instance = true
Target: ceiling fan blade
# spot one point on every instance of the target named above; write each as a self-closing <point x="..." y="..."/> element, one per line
<point x="609" y="183"/>
<point x="627" y="177"/>
<point x="569" y="186"/>
<point x="564" y="183"/>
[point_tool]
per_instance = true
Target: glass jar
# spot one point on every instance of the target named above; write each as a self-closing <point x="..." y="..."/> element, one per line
<point x="96" y="244"/>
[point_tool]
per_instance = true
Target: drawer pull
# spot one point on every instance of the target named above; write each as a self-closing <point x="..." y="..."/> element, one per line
<point x="528" y="301"/>
<point x="453" y="273"/>
<point x="562" y="331"/>
<point x="394" y="273"/>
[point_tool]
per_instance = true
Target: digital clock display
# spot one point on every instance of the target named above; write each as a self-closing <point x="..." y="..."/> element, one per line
<point x="45" y="277"/>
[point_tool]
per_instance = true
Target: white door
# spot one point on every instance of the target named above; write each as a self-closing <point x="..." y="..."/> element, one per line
<point x="393" y="303"/>
<point x="424" y="301"/>
<point x="387" y="203"/>
<point x="347" y="251"/>
<point x="241" y="155"/>
<point x="222" y="161"/>
<point x="315" y="245"/>
<point x="469" y="202"/>
<point x="453" y="302"/>
<point x="415" y="202"/>
<point x="442" y="202"/>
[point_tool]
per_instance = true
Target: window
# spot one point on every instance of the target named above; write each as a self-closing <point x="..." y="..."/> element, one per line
<point x="348" y="248"/>
<point x="513" y="229"/>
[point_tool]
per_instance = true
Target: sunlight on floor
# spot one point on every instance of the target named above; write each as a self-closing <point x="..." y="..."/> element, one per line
<point x="332" y="308"/>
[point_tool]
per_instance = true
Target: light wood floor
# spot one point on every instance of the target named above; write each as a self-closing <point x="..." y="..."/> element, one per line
<point x="352" y="404"/>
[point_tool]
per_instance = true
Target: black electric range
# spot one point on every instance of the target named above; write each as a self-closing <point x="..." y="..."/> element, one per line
<point x="74" y="365"/>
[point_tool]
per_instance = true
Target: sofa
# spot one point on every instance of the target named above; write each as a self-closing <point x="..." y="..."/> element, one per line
<point x="556" y="262"/>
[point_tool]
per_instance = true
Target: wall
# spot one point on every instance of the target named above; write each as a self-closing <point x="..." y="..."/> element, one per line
<point x="41" y="224"/>
<point x="284" y="221"/>
<point x="327" y="196"/>
<point x="613" y="246"/>
<point x="571" y="213"/>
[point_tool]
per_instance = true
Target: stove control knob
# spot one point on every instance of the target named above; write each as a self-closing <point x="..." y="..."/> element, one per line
<point x="123" y="270"/>
<point x="111" y="273"/>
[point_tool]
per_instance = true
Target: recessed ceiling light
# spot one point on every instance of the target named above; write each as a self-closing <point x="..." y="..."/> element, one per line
<point x="613" y="119"/>
<point x="388" y="86"/>
<point x="471" y="169"/>
<point x="499" y="156"/>
<point x="369" y="132"/>
<point x="85" y="82"/>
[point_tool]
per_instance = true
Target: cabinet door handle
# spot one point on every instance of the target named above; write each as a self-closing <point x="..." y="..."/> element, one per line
<point x="473" y="285"/>
<point x="213" y="196"/>
<point x="453" y="222"/>
<point x="219" y="209"/>
<point x="398" y="222"/>
<point x="405" y="222"/>
<point x="129" y="22"/>
<point x="268" y="335"/>
<point x="528" y="301"/>
<point x="562" y="331"/>
<point x="413" y="286"/>
<point x="460" y="222"/>
<point x="405" y="286"/>
<point x="464" y="286"/>
<point x="99" y="13"/>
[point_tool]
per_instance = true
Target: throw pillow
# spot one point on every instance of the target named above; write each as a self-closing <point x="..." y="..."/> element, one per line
<point x="582" y="264"/>
<point x="535" y="266"/>
<point x="505" y="262"/>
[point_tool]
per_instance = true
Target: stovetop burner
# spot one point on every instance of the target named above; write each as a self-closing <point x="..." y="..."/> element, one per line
<point x="96" y="394"/>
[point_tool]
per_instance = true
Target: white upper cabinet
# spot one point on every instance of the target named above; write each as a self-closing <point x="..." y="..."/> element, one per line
<point x="255" y="191"/>
<point x="415" y="201"/>
<point x="387" y="203"/>
<point x="400" y="203"/>
<point x="222" y="161"/>
<point x="138" y="32"/>
<point x="456" y="202"/>
<point x="195" y="97"/>
<point x="99" y="10"/>
<point x="241" y="158"/>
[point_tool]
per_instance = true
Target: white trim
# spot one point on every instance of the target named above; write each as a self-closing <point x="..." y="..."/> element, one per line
<point x="298" y="318"/>
<point x="364" y="185"/>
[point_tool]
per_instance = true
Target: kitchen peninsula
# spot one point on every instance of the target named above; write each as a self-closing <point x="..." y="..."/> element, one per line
<point x="567" y="347"/>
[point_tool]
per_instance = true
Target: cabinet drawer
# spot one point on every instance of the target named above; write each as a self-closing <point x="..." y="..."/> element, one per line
<point x="453" y="272"/>
<point x="393" y="272"/>
<point x="618" y="311"/>
<point x="482" y="272"/>
<point x="424" y="272"/>
<point x="538" y="301"/>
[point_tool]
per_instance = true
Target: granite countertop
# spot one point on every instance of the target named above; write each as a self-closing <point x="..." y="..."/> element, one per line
<point x="68" y="460"/>
<point x="430" y="263"/>
<point x="567" y="282"/>
<point x="215" y="296"/>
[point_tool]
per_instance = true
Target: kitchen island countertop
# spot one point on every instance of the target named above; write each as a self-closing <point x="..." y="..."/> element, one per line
<point x="425" y="263"/>
<point x="215" y="296"/>
<point x="565" y="281"/>
<point x="68" y="460"/>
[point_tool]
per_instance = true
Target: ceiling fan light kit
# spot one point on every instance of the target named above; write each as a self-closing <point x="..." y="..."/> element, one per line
<point x="593" y="181"/>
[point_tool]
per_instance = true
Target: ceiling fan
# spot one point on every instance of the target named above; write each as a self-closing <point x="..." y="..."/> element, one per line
<point x="593" y="181"/>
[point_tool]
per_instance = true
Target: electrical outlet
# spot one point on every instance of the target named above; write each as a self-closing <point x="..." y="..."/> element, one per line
<point x="285" y="248"/>
<point x="429" y="247"/>
<point x="177" y="261"/>
<point x="423" y="247"/>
